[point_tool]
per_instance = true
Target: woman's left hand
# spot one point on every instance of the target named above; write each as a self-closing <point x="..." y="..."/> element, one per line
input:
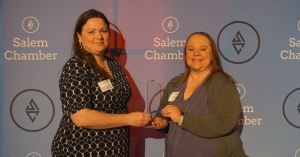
<point x="172" y="112"/>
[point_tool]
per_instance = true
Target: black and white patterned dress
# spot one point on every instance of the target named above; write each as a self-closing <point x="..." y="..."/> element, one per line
<point x="79" y="90"/>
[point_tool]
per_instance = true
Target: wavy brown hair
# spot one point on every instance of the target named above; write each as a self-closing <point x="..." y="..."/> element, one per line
<point x="215" y="61"/>
<point x="80" y="52"/>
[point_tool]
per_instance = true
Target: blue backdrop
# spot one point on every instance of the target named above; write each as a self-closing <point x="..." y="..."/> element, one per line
<point x="2" y="89"/>
<point x="258" y="41"/>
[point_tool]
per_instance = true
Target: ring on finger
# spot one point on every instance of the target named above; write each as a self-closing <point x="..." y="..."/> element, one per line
<point x="169" y="111"/>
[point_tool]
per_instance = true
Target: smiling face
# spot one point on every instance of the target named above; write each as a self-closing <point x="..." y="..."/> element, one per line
<point x="94" y="36"/>
<point x="198" y="53"/>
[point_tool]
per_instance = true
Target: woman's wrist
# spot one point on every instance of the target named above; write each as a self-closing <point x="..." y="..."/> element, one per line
<point x="181" y="119"/>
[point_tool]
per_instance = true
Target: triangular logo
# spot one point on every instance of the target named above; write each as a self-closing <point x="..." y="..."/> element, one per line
<point x="238" y="40"/>
<point x="32" y="110"/>
<point x="32" y="105"/>
<point x="32" y="115"/>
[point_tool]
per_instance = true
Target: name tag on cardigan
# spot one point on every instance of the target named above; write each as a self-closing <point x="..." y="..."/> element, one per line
<point x="105" y="85"/>
<point x="173" y="96"/>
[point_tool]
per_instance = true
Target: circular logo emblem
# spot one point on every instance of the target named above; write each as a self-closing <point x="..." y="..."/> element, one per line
<point x="33" y="154"/>
<point x="291" y="108"/>
<point x="238" y="42"/>
<point x="32" y="110"/>
<point x="30" y="24"/>
<point x="241" y="89"/>
<point x="116" y="42"/>
<point x="170" y="24"/>
<point x="297" y="152"/>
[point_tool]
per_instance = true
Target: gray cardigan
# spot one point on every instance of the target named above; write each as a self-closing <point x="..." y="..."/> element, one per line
<point x="224" y="110"/>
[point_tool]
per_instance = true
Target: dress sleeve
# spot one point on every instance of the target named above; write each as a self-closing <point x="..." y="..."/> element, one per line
<point x="224" y="108"/>
<point x="75" y="87"/>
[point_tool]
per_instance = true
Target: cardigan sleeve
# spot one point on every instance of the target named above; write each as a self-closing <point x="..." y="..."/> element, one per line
<point x="224" y="110"/>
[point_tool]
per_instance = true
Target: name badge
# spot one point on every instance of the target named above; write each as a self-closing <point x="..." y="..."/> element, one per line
<point x="105" y="85"/>
<point x="173" y="96"/>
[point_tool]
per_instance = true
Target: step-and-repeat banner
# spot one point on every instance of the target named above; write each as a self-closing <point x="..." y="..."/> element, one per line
<point x="2" y="89"/>
<point x="258" y="41"/>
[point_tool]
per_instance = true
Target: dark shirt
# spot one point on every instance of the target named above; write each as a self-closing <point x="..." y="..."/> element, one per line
<point x="181" y="142"/>
<point x="78" y="90"/>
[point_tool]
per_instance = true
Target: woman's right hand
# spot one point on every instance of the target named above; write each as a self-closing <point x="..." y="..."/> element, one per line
<point x="158" y="123"/>
<point x="139" y="119"/>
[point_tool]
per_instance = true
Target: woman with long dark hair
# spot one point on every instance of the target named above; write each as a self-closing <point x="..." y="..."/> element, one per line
<point x="94" y="92"/>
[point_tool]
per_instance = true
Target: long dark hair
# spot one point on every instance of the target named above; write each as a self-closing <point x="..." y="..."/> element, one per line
<point x="215" y="61"/>
<point x="81" y="53"/>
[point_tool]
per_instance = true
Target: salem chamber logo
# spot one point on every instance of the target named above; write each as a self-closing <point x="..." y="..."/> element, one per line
<point x="30" y="24"/>
<point x="33" y="154"/>
<point x="238" y="42"/>
<point x="241" y="89"/>
<point x="23" y="48"/>
<point x="293" y="43"/>
<point x="32" y="110"/>
<point x="291" y="108"/>
<point x="170" y="24"/>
